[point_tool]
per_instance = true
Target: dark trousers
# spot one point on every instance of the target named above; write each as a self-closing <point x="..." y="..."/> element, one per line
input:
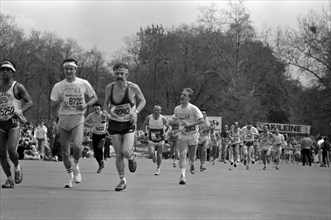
<point x="98" y="150"/>
<point x="306" y="157"/>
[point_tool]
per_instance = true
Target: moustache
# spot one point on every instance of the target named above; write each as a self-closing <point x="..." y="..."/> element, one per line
<point x="119" y="79"/>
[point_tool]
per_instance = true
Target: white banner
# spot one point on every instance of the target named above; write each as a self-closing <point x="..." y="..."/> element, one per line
<point x="285" y="128"/>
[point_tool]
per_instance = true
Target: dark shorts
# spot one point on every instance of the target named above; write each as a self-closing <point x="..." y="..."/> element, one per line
<point x="249" y="143"/>
<point x="6" y="126"/>
<point x="116" y="127"/>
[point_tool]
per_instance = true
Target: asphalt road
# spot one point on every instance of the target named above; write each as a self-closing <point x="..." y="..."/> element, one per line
<point x="293" y="192"/>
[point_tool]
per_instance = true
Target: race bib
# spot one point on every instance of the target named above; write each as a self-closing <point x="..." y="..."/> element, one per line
<point x="100" y="129"/>
<point x="190" y="129"/>
<point x="156" y="135"/>
<point x="73" y="100"/>
<point x="7" y="112"/>
<point x="122" y="110"/>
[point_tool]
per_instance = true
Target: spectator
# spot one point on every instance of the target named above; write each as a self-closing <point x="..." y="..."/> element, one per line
<point x="306" y="145"/>
<point x="41" y="136"/>
<point x="326" y="146"/>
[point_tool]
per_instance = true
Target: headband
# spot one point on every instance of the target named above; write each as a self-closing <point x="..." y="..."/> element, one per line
<point x="71" y="63"/>
<point x="121" y="70"/>
<point x="8" y="65"/>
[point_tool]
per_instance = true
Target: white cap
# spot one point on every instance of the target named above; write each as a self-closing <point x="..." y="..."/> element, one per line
<point x="8" y="65"/>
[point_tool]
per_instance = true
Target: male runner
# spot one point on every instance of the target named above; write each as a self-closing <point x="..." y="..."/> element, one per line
<point x="156" y="126"/>
<point x="266" y="140"/>
<point x="204" y="140"/>
<point x="121" y="101"/>
<point x="248" y="133"/>
<point x="97" y="120"/>
<point x="69" y="95"/>
<point x="189" y="117"/>
<point x="278" y="144"/>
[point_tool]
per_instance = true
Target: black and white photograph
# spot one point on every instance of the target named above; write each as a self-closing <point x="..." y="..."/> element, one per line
<point x="164" y="109"/>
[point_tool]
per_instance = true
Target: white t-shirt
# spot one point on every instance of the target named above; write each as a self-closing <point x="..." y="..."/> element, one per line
<point x="191" y="114"/>
<point x="249" y="134"/>
<point x="72" y="94"/>
<point x="279" y="139"/>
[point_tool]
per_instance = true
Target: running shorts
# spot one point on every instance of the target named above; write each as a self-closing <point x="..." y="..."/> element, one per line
<point x="117" y="127"/>
<point x="6" y="126"/>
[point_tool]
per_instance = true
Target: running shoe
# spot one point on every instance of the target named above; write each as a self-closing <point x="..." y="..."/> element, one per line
<point x="9" y="184"/>
<point x="253" y="161"/>
<point x="121" y="186"/>
<point x="231" y="163"/>
<point x="277" y="168"/>
<point x="100" y="169"/>
<point x="247" y="167"/>
<point x="77" y="175"/>
<point x="202" y="167"/>
<point x="235" y="164"/>
<point x="182" y="180"/>
<point x="70" y="184"/>
<point x="192" y="169"/>
<point x="174" y="164"/>
<point x="157" y="172"/>
<point x="245" y="162"/>
<point x="18" y="176"/>
<point x="132" y="165"/>
<point x="265" y="167"/>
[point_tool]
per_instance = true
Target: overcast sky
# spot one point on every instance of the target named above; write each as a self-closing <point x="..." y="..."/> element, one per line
<point x="104" y="24"/>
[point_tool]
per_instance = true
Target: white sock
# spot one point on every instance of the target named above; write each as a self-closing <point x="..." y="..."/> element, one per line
<point x="183" y="170"/>
<point x="76" y="166"/>
<point x="18" y="167"/>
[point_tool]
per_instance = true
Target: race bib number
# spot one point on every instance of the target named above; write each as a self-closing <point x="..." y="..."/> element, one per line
<point x="100" y="128"/>
<point x="73" y="101"/>
<point x="190" y="129"/>
<point x="122" y="110"/>
<point x="156" y="135"/>
<point x="6" y="111"/>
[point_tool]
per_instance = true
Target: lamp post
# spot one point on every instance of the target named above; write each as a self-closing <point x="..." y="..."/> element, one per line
<point x="166" y="62"/>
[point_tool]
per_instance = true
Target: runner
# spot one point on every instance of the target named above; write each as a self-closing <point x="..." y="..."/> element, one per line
<point x="156" y="126"/>
<point x="97" y="120"/>
<point x="266" y="139"/>
<point x="234" y="136"/>
<point x="11" y="116"/>
<point x="173" y="139"/>
<point x="225" y="141"/>
<point x="248" y="135"/>
<point x="204" y="140"/>
<point x="121" y="103"/>
<point x="189" y="117"/>
<point x="214" y="144"/>
<point x="68" y="103"/>
<point x="278" y="144"/>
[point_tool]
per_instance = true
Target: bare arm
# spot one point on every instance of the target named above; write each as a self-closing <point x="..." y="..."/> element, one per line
<point x="25" y="96"/>
<point x="140" y="97"/>
<point x="107" y="103"/>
